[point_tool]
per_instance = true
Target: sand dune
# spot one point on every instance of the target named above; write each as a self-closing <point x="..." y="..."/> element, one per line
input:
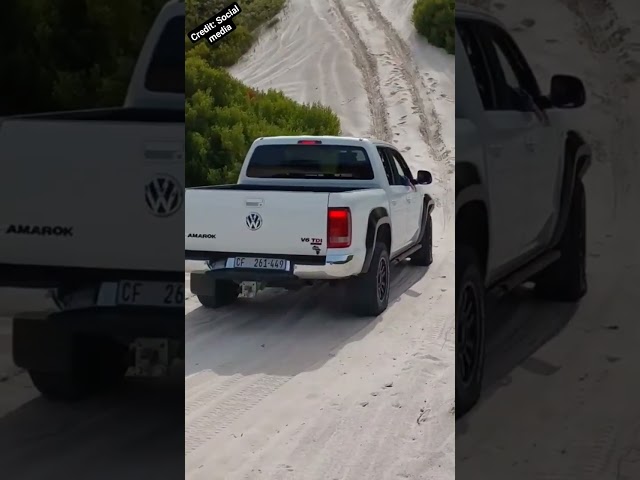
<point x="289" y="386"/>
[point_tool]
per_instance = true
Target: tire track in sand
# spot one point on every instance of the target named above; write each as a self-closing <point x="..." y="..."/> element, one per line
<point x="218" y="418"/>
<point x="430" y="131"/>
<point x="367" y="66"/>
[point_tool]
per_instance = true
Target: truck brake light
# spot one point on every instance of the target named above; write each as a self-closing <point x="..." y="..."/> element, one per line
<point x="339" y="227"/>
<point x="309" y="142"/>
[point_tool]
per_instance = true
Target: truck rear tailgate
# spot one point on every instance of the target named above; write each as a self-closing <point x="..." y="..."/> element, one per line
<point x="256" y="222"/>
<point x="93" y="194"/>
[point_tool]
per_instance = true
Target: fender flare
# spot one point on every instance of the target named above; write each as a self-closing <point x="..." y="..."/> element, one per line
<point x="377" y="217"/>
<point x="428" y="205"/>
<point x="577" y="158"/>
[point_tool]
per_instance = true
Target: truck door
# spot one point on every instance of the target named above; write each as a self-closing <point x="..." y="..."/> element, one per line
<point x="397" y="202"/>
<point x="413" y="198"/>
<point x="539" y="165"/>
<point x="504" y="126"/>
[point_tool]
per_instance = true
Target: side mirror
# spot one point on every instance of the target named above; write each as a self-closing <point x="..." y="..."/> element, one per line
<point x="424" y="177"/>
<point x="567" y="92"/>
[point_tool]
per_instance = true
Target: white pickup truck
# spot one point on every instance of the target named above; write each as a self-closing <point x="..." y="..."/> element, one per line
<point x="520" y="198"/>
<point x="308" y="209"/>
<point x="91" y="206"/>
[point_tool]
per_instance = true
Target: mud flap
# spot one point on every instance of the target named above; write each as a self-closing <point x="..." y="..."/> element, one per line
<point x="202" y="283"/>
<point x="40" y="344"/>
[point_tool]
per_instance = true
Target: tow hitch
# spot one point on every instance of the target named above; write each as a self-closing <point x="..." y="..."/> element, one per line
<point x="153" y="357"/>
<point x="250" y="289"/>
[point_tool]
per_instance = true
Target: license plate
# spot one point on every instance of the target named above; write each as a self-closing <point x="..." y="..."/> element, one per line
<point x="150" y="294"/>
<point x="261" y="263"/>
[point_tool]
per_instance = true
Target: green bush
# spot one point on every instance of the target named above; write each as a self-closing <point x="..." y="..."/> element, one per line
<point x="222" y="115"/>
<point x="70" y="54"/>
<point x="254" y="14"/>
<point x="435" y="20"/>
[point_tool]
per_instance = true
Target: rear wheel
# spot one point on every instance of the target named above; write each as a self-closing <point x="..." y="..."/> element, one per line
<point x="97" y="365"/>
<point x="424" y="256"/>
<point x="225" y="292"/>
<point x="566" y="279"/>
<point x="370" y="291"/>
<point x="470" y="329"/>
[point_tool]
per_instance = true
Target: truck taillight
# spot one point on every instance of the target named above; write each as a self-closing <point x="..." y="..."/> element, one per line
<point x="339" y="228"/>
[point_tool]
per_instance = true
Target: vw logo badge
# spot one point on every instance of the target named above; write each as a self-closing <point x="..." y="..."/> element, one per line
<point x="254" y="221"/>
<point x="164" y="195"/>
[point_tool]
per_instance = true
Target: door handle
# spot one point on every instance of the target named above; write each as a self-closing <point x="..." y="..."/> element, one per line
<point x="408" y="200"/>
<point x="393" y="202"/>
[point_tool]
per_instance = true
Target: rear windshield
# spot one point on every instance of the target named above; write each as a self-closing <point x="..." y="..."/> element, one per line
<point x="310" y="161"/>
<point x="166" y="70"/>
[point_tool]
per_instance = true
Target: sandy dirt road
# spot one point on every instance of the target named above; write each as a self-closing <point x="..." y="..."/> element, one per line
<point x="561" y="394"/>
<point x="136" y="432"/>
<point x="287" y="385"/>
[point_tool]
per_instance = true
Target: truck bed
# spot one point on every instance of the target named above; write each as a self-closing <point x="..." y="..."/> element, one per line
<point x="80" y="195"/>
<point x="266" y="220"/>
<point x="281" y="188"/>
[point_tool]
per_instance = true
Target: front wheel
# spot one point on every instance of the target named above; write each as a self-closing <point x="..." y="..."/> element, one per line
<point x="470" y="329"/>
<point x="424" y="256"/>
<point x="566" y="279"/>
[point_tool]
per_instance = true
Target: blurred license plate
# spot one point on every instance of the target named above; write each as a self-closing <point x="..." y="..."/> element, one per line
<point x="150" y="294"/>
<point x="261" y="263"/>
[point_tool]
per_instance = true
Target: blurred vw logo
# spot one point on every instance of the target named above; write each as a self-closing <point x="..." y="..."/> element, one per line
<point x="254" y="221"/>
<point x="164" y="195"/>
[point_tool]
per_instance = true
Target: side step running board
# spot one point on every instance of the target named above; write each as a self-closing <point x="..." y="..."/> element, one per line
<point x="525" y="273"/>
<point x="406" y="254"/>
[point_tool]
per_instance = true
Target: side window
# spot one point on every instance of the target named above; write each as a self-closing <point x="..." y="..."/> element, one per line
<point x="510" y="73"/>
<point x="166" y="70"/>
<point x="402" y="165"/>
<point x="395" y="168"/>
<point x="400" y="172"/>
<point x="518" y="63"/>
<point x="387" y="165"/>
<point x="478" y="61"/>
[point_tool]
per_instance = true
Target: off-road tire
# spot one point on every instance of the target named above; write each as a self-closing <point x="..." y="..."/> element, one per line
<point x="424" y="256"/>
<point x="60" y="386"/>
<point x="566" y="279"/>
<point x="469" y="298"/>
<point x="225" y="292"/>
<point x="370" y="291"/>
<point x="97" y="365"/>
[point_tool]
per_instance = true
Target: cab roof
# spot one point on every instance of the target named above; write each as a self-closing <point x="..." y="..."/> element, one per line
<point x="470" y="12"/>
<point x="327" y="138"/>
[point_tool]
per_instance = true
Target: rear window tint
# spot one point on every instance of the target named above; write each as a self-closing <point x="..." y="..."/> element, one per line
<point x="310" y="161"/>
<point x="166" y="70"/>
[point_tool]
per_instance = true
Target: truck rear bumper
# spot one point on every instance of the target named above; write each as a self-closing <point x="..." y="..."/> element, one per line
<point x="335" y="267"/>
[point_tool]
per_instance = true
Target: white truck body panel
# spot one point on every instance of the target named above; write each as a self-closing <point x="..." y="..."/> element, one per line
<point x="294" y="213"/>
<point x="225" y="214"/>
<point x="91" y="177"/>
<point x="106" y="170"/>
<point x="138" y="96"/>
<point x="519" y="156"/>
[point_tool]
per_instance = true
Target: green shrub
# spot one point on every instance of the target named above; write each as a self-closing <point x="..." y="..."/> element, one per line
<point x="222" y="115"/>
<point x="47" y="65"/>
<point x="254" y="14"/>
<point x="435" y="20"/>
